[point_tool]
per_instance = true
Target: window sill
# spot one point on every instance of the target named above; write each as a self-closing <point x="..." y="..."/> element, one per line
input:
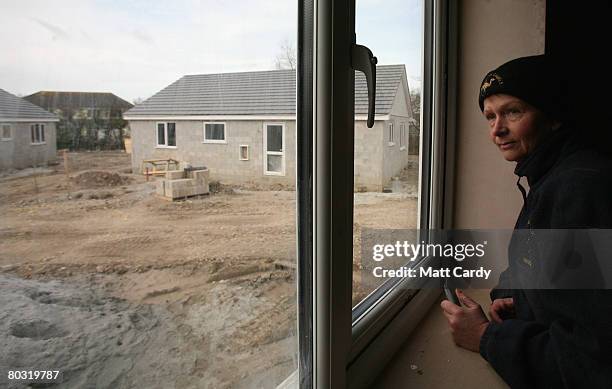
<point x="291" y="382"/>
<point x="402" y="148"/>
<point x="165" y="147"/>
<point x="391" y="144"/>
<point x="6" y="139"/>
<point x="38" y="143"/>
<point x="215" y="141"/>
<point x="426" y="346"/>
<point x="274" y="174"/>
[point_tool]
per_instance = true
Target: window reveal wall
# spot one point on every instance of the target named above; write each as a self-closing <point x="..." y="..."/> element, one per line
<point x="485" y="182"/>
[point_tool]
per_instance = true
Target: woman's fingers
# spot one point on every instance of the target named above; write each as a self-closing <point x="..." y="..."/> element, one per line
<point x="449" y="317"/>
<point x="508" y="302"/>
<point x="449" y="307"/>
<point x="500" y="306"/>
<point x="466" y="300"/>
<point x="494" y="315"/>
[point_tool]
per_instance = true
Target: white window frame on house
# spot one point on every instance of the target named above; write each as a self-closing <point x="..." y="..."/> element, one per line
<point x="266" y="152"/>
<point x="402" y="136"/>
<point x="4" y="126"/>
<point x="240" y="148"/>
<point x="37" y="134"/>
<point x="165" y="144"/>
<point x="391" y="134"/>
<point x="206" y="140"/>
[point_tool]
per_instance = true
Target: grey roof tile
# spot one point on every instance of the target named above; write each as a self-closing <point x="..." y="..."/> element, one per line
<point x="256" y="93"/>
<point x="15" y="108"/>
<point x="52" y="100"/>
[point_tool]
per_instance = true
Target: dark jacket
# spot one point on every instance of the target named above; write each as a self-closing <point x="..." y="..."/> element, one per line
<point x="558" y="338"/>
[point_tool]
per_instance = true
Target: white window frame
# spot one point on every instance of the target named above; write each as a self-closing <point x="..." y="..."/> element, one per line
<point x="205" y="140"/>
<point x="391" y="134"/>
<point x="240" y="147"/>
<point x="402" y="139"/>
<point x="39" y="135"/>
<point x="355" y="358"/>
<point x="165" y="144"/>
<point x="2" y="137"/>
<point x="266" y="152"/>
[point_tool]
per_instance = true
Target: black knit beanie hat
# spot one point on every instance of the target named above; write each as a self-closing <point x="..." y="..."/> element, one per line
<point x="532" y="79"/>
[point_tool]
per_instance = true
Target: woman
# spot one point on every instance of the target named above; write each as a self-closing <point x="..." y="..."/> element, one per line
<point x="542" y="338"/>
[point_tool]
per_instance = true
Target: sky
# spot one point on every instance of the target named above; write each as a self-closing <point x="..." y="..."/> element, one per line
<point x="135" y="48"/>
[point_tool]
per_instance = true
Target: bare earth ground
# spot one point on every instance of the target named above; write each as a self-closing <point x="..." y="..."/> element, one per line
<point x="118" y="288"/>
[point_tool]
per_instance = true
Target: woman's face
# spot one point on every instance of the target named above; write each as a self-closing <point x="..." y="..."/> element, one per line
<point x="515" y="126"/>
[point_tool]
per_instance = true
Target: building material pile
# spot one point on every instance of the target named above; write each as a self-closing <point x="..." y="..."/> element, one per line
<point x="184" y="183"/>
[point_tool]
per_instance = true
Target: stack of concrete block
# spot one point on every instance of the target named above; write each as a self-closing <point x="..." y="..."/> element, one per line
<point x="179" y="184"/>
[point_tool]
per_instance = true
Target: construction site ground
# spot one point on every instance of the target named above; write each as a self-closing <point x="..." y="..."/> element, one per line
<point x="116" y="287"/>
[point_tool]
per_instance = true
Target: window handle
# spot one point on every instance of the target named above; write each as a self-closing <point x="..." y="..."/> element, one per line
<point x="364" y="61"/>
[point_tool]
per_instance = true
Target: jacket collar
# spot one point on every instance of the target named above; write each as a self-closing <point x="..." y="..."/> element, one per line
<point x="544" y="156"/>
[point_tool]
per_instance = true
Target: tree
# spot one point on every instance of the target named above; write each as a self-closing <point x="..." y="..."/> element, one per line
<point x="287" y="57"/>
<point x="415" y="103"/>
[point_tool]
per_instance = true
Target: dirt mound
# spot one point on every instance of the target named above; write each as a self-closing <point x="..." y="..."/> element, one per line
<point x="100" y="178"/>
<point x="216" y="187"/>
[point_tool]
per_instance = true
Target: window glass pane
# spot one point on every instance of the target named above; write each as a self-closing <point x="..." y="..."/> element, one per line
<point x="275" y="138"/>
<point x="275" y="163"/>
<point x="6" y="131"/>
<point x="215" y="131"/>
<point x="161" y="134"/>
<point x="171" y="134"/>
<point x="131" y="276"/>
<point x="386" y="172"/>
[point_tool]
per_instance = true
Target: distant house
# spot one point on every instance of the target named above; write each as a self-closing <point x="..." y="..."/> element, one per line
<point x="242" y="126"/>
<point x="27" y="133"/>
<point x="88" y="120"/>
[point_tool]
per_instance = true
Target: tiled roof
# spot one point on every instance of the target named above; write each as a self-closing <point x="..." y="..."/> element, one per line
<point x="256" y="93"/>
<point x="52" y="100"/>
<point x="16" y="108"/>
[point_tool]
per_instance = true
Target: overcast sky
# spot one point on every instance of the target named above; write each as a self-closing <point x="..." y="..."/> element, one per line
<point x="134" y="48"/>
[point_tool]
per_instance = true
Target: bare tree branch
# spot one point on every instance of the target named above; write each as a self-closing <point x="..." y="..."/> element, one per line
<point x="287" y="57"/>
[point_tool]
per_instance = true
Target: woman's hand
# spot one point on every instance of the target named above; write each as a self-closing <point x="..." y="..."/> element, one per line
<point x="502" y="309"/>
<point x="467" y="323"/>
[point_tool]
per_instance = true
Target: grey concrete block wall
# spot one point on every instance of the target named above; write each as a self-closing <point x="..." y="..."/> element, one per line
<point x="19" y="152"/>
<point x="222" y="159"/>
<point x="369" y="156"/>
<point x="395" y="157"/>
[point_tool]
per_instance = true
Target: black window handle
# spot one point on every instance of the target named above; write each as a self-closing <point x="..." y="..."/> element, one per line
<point x="364" y="61"/>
